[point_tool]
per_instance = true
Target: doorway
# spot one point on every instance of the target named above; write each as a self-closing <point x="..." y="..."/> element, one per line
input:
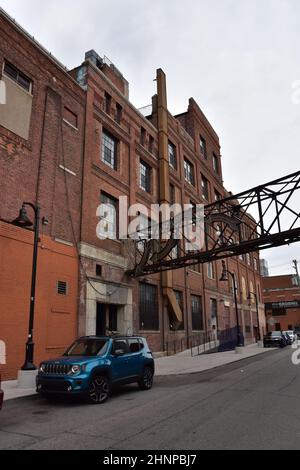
<point x="106" y="319"/>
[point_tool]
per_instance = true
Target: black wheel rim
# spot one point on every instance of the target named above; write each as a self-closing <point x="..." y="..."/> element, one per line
<point x="99" y="390"/>
<point x="148" y="378"/>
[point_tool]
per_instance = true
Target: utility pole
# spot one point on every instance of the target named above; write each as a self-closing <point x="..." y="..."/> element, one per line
<point x="295" y="263"/>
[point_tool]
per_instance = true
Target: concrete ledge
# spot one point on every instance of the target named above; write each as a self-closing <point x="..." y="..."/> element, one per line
<point x="26" y="379"/>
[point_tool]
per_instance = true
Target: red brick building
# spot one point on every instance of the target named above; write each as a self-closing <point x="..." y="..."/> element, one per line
<point x="69" y="141"/>
<point x="282" y="302"/>
<point x="41" y="155"/>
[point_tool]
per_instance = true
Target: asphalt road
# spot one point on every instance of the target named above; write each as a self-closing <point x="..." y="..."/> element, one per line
<point x="251" y="404"/>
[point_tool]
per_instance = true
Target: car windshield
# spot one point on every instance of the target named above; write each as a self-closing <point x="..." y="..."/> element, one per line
<point x="88" y="347"/>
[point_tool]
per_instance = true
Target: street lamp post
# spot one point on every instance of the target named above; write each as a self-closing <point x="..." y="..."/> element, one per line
<point x="257" y="312"/>
<point x="25" y="222"/>
<point x="224" y="277"/>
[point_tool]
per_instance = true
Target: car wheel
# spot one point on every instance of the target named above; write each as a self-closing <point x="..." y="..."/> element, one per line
<point x="146" y="381"/>
<point x="99" y="389"/>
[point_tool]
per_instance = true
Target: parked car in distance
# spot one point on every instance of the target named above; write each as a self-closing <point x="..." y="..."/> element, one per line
<point x="289" y="340"/>
<point x="94" y="364"/>
<point x="1" y="395"/>
<point x="275" y="339"/>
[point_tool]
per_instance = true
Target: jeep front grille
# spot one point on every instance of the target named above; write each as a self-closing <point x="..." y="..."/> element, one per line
<point x="58" y="369"/>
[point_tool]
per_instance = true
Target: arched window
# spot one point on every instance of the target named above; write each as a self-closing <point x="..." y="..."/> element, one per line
<point x="252" y="292"/>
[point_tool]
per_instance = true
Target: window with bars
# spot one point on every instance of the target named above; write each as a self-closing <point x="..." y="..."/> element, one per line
<point x="109" y="218"/>
<point x="189" y="172"/>
<point x="205" y="187"/>
<point x="172" y="155"/>
<point x="149" y="317"/>
<point x="109" y="150"/>
<point x="17" y="76"/>
<point x="203" y="149"/>
<point x="197" y="314"/>
<point x="145" y="177"/>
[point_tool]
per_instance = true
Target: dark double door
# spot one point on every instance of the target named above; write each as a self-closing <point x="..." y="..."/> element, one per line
<point x="107" y="319"/>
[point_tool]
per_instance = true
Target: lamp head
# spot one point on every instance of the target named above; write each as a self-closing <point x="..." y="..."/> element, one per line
<point x="23" y="219"/>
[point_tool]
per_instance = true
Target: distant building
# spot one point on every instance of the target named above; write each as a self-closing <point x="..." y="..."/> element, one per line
<point x="264" y="268"/>
<point x="282" y="302"/>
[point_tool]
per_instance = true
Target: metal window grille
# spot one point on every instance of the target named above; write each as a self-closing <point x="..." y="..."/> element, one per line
<point x="19" y="77"/>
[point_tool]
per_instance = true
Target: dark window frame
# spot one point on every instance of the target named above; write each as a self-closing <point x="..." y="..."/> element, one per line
<point x="148" y="307"/>
<point x="109" y="144"/>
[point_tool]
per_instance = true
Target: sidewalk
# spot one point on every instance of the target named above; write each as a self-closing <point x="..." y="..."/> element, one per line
<point x="182" y="363"/>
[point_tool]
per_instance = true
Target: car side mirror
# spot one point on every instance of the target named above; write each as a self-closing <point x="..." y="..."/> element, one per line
<point x="119" y="352"/>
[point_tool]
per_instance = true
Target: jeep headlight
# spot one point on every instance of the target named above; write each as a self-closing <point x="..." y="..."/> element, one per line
<point x="75" y="370"/>
<point x="42" y="368"/>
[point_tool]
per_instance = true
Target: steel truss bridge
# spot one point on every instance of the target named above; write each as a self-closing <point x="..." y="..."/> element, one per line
<point x="263" y="217"/>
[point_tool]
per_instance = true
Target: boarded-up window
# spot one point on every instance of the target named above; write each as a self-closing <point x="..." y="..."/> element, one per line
<point x="15" y="113"/>
<point x="70" y="117"/>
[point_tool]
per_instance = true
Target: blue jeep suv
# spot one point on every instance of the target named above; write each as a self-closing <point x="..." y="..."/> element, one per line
<point x="94" y="364"/>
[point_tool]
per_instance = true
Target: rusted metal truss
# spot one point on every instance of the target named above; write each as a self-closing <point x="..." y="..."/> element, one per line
<point x="260" y="218"/>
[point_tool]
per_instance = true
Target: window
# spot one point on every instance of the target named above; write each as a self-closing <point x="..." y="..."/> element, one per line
<point x="252" y="297"/>
<point x="213" y="309"/>
<point x="109" y="219"/>
<point x="189" y="172"/>
<point x="149" y="319"/>
<point x="151" y="143"/>
<point x="205" y="187"/>
<point x="143" y="136"/>
<point x="19" y="77"/>
<point x="70" y="117"/>
<point x="218" y="196"/>
<point x="248" y="258"/>
<point x="197" y="317"/>
<point x="61" y="288"/>
<point x="107" y="103"/>
<point x="119" y="112"/>
<point x="172" y="156"/>
<point x="215" y="163"/>
<point x="210" y="270"/>
<point x="145" y="177"/>
<point x="135" y="345"/>
<point x="98" y="270"/>
<point x="255" y="264"/>
<point x="109" y="150"/>
<point x="203" y="147"/>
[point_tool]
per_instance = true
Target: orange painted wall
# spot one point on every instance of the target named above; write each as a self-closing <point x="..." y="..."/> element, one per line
<point x="55" y="325"/>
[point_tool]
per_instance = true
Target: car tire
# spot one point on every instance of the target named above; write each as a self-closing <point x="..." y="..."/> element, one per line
<point x="146" y="381"/>
<point x="99" y="390"/>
